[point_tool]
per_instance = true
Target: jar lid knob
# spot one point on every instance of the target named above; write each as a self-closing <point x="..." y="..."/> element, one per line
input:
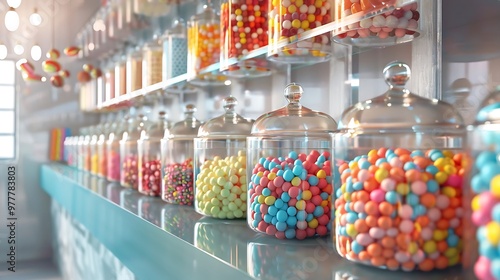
<point x="189" y="109"/>
<point x="293" y="92"/>
<point x="397" y="74"/>
<point x="229" y="103"/>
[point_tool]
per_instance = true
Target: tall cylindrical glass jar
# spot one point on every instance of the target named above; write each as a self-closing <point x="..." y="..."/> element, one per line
<point x="113" y="148"/>
<point x="175" y="50"/>
<point x="134" y="69"/>
<point x="484" y="195"/>
<point x="129" y="168"/>
<point x="398" y="193"/>
<point x="109" y="80"/>
<point x="149" y="156"/>
<point x="86" y="149"/>
<point x="177" y="153"/>
<point x="94" y="155"/>
<point x="120" y="74"/>
<point x="152" y="62"/>
<point x="102" y="165"/>
<point x="220" y="164"/>
<point x="290" y="171"/>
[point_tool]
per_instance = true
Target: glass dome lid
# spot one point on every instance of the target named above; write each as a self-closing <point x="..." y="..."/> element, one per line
<point x="399" y="109"/>
<point x="294" y="118"/>
<point x="157" y="129"/>
<point x="228" y="125"/>
<point x="489" y="110"/>
<point x="187" y="128"/>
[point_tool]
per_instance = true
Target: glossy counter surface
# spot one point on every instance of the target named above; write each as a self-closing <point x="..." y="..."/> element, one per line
<point x="158" y="240"/>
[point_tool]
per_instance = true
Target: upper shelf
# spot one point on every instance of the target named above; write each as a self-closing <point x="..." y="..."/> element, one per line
<point x="330" y="29"/>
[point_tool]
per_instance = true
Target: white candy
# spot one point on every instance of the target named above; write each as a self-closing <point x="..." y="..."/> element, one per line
<point x="402" y="23"/>
<point x="287" y="24"/>
<point x="412" y="24"/>
<point x="366" y="23"/>
<point x="255" y="35"/>
<point x="391" y="21"/>
<point x="256" y="8"/>
<point x="303" y="9"/>
<point x="239" y="18"/>
<point x="247" y="29"/>
<point x="235" y="28"/>
<point x="323" y="11"/>
<point x="285" y="3"/>
<point x="353" y="25"/>
<point x="243" y="7"/>
<point x="379" y="21"/>
<point x="311" y="9"/>
<point x="408" y="14"/>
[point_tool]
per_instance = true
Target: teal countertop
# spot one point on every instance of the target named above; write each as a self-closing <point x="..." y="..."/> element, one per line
<point x="156" y="240"/>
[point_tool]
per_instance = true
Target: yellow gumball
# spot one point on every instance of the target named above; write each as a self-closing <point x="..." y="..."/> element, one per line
<point x="495" y="186"/>
<point x="493" y="233"/>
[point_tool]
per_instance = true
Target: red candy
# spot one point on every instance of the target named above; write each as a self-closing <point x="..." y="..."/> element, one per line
<point x="150" y="178"/>
<point x="113" y="166"/>
<point x="128" y="174"/>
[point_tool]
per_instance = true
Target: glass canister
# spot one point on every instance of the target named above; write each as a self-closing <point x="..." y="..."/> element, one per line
<point x="129" y="168"/>
<point x="120" y="74"/>
<point x="80" y="156"/>
<point x="220" y="164"/>
<point x="94" y="155"/>
<point x="113" y="148"/>
<point x="152" y="62"/>
<point x="102" y="165"/>
<point x="134" y="69"/>
<point x="288" y="20"/>
<point x="290" y="171"/>
<point x="175" y="50"/>
<point x="400" y="160"/>
<point x="484" y="143"/>
<point x="243" y="30"/>
<point x="177" y="152"/>
<point x="86" y="149"/>
<point x="109" y="80"/>
<point x="204" y="46"/>
<point x="398" y="25"/>
<point x="149" y="152"/>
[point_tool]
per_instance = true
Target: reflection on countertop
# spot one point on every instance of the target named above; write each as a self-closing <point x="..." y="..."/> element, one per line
<point x="235" y="244"/>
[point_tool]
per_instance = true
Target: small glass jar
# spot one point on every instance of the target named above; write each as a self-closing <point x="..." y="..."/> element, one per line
<point x="94" y="155"/>
<point x="175" y="50"/>
<point x="129" y="167"/>
<point x="398" y="25"/>
<point x="152" y="62"/>
<point x="484" y="196"/>
<point x="120" y="75"/>
<point x="220" y="164"/>
<point x="80" y="156"/>
<point x="399" y="187"/>
<point x="290" y="171"/>
<point x="134" y="69"/>
<point x="86" y="149"/>
<point x="149" y="153"/>
<point x="288" y="20"/>
<point x="177" y="152"/>
<point x="109" y="80"/>
<point x="102" y="165"/>
<point x="67" y="150"/>
<point x="204" y="46"/>
<point x="243" y="30"/>
<point x="113" y="149"/>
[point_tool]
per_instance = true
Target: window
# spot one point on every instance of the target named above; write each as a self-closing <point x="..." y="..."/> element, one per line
<point x="7" y="110"/>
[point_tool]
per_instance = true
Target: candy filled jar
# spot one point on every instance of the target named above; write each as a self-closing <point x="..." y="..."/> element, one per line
<point x="401" y="162"/>
<point x="121" y="74"/>
<point x="129" y="167"/>
<point x="220" y="164"/>
<point x="85" y="149"/>
<point x="113" y="149"/>
<point x="134" y="69"/>
<point x="94" y="155"/>
<point x="109" y="80"/>
<point x="288" y="20"/>
<point x="243" y="30"/>
<point x="399" y="25"/>
<point x="152" y="62"/>
<point x="149" y="155"/>
<point x="102" y="165"/>
<point x="174" y="43"/>
<point x="289" y="170"/>
<point x="177" y="152"/>
<point x="485" y="189"/>
<point x="204" y="46"/>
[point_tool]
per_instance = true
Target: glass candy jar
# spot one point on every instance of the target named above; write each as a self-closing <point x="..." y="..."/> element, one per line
<point x="400" y="161"/>
<point x="220" y="164"/>
<point x="177" y="159"/>
<point x="149" y="154"/>
<point x="94" y="155"/>
<point x="289" y="170"/>
<point x="113" y="149"/>
<point x="484" y="143"/>
<point x="102" y="165"/>
<point x="109" y="80"/>
<point x="129" y="168"/>
<point x="85" y="149"/>
<point x="121" y="74"/>
<point x="288" y="19"/>
<point x="399" y="25"/>
<point x="152" y="62"/>
<point x="175" y="50"/>
<point x="134" y="69"/>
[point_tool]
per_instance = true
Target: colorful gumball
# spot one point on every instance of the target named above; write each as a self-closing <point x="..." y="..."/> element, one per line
<point x="71" y="50"/>
<point x="53" y="54"/>
<point x="83" y="77"/>
<point x="51" y="66"/>
<point x="57" y="81"/>
<point x="64" y="73"/>
<point x="25" y="66"/>
<point x="95" y="73"/>
<point x="31" y="77"/>
<point x="87" y="67"/>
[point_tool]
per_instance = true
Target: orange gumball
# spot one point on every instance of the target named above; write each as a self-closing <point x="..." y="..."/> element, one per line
<point x="71" y="50"/>
<point x="57" y="81"/>
<point x="95" y="73"/>
<point x="64" y="73"/>
<point x="53" y="54"/>
<point x="83" y="77"/>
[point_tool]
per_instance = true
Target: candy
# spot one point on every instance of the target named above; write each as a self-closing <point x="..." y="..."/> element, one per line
<point x="57" y="81"/>
<point x="53" y="54"/>
<point x="221" y="187"/>
<point x="102" y="166"/>
<point x="412" y="213"/>
<point x="129" y="172"/>
<point x="50" y="66"/>
<point x="150" y="177"/>
<point x="297" y="200"/>
<point x="64" y="73"/>
<point x="178" y="183"/>
<point x="87" y="67"/>
<point x="95" y="73"/>
<point x="204" y="45"/>
<point x="113" y="166"/>
<point x="399" y="23"/>
<point x="83" y="77"/>
<point x="71" y="51"/>
<point x="94" y="160"/>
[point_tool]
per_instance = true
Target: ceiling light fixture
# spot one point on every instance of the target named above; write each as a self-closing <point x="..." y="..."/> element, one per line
<point x="3" y="51"/>
<point x="36" y="52"/>
<point x="18" y="49"/>
<point x="35" y="18"/>
<point x="14" y="3"/>
<point x="12" y="20"/>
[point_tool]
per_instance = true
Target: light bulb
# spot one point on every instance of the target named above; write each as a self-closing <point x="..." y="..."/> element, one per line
<point x="12" y="20"/>
<point x="35" y="18"/>
<point x="36" y="52"/>
<point x="14" y="3"/>
<point x="18" y="49"/>
<point x="3" y="51"/>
